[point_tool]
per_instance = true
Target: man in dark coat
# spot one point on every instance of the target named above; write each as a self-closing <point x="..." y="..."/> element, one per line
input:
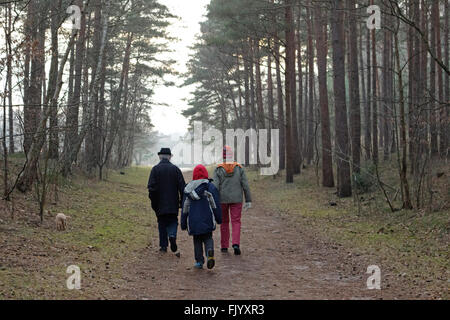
<point x="165" y="190"/>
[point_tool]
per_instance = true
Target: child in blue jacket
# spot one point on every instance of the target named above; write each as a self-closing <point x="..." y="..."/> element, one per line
<point x="199" y="215"/>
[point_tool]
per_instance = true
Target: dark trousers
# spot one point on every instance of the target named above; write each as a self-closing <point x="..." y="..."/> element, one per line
<point x="201" y="240"/>
<point x="167" y="226"/>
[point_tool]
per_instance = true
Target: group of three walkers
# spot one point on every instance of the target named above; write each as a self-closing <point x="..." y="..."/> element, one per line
<point x="204" y="203"/>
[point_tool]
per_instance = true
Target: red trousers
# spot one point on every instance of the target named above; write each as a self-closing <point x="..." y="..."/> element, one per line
<point x="235" y="211"/>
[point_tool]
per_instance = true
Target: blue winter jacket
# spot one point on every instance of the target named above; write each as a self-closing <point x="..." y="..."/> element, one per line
<point x="201" y="207"/>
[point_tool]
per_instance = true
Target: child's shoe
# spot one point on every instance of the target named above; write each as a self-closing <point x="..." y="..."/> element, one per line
<point x="173" y="244"/>
<point x="211" y="262"/>
<point x="198" y="265"/>
<point x="224" y="250"/>
<point x="237" y="250"/>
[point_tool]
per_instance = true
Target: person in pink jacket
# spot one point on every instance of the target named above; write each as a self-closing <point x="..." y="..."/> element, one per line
<point x="231" y="181"/>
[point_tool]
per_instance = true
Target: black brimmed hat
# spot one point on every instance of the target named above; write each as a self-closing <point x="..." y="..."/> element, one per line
<point x="165" y="151"/>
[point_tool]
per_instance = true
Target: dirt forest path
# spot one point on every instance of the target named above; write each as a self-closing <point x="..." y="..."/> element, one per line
<point x="279" y="261"/>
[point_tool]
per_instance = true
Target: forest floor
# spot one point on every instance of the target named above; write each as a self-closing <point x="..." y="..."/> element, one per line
<point x="295" y="245"/>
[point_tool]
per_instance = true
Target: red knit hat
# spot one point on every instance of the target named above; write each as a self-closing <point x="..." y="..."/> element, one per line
<point x="200" y="172"/>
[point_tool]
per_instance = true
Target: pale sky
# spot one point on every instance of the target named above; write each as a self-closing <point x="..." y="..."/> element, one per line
<point x="168" y="119"/>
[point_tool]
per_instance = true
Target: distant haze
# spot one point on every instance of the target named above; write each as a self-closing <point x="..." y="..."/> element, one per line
<point x="168" y="119"/>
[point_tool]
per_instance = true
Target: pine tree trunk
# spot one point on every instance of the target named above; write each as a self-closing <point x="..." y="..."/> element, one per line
<point x="252" y="87"/>
<point x="90" y="141"/>
<point x="9" y="78"/>
<point x="259" y="98"/>
<point x="72" y="126"/>
<point x="294" y="122"/>
<point x="54" y="139"/>
<point x="433" y="92"/>
<point x="123" y="110"/>
<point x="368" y="106"/>
<point x="300" y="89"/>
<point x="270" y="96"/>
<point x="362" y="74"/>
<point x="374" y="97"/>
<point x="355" y="112"/>
<point x="290" y="68"/>
<point x="280" y="102"/>
<point x="406" y="198"/>
<point x="320" y="26"/>
<point x="342" y="140"/>
<point x="310" y="109"/>
<point x="33" y="109"/>
<point x="386" y="89"/>
<point x="445" y="109"/>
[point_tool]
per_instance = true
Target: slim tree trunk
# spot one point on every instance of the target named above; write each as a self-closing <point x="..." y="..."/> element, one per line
<point x="294" y="122"/>
<point x="252" y="86"/>
<point x="290" y="75"/>
<point x="100" y="134"/>
<point x="90" y="142"/>
<point x="374" y="98"/>
<point x="247" y="101"/>
<point x="72" y="126"/>
<point x="310" y="109"/>
<point x="368" y="106"/>
<point x="8" y="32"/>
<point x="280" y="103"/>
<point x="403" y="170"/>
<point x="29" y="25"/>
<point x="320" y="26"/>
<point x="445" y="109"/>
<point x="433" y="92"/>
<point x="362" y="74"/>
<point x="386" y="88"/>
<point x="300" y="88"/>
<point x="270" y="96"/>
<point x="123" y="109"/>
<point x="355" y="113"/>
<point x="259" y="98"/>
<point x="53" y="150"/>
<point x="344" y="188"/>
<point x="415" y="74"/>
<point x="32" y="110"/>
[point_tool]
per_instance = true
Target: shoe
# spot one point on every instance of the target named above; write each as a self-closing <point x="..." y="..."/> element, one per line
<point x="163" y="249"/>
<point x="237" y="251"/>
<point x="211" y="262"/>
<point x="173" y="244"/>
<point x="198" y="265"/>
<point x="224" y="250"/>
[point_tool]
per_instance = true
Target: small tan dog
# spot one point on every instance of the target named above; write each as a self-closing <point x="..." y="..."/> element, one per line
<point x="60" y="220"/>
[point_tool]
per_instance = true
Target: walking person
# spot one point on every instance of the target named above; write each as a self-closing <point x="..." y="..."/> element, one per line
<point x="231" y="181"/>
<point x="165" y="190"/>
<point x="199" y="215"/>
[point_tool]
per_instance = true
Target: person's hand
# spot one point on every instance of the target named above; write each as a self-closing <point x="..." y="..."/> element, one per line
<point x="247" y="205"/>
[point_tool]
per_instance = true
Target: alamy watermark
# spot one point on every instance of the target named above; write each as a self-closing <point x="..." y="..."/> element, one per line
<point x="75" y="16"/>
<point x="374" y="20"/>
<point x="374" y="281"/>
<point x="206" y="147"/>
<point x="74" y="280"/>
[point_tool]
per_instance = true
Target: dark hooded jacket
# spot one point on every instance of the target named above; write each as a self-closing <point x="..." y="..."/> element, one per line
<point x="201" y="207"/>
<point x="165" y="188"/>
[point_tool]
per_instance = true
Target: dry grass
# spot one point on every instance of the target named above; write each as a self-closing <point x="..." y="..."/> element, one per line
<point x="108" y="222"/>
